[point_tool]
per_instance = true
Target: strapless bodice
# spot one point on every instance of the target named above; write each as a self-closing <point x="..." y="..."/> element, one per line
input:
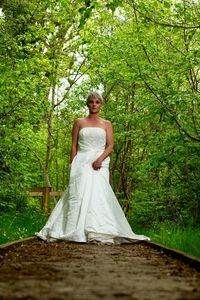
<point x="91" y="138"/>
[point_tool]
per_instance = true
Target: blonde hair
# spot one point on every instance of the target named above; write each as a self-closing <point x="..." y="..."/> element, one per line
<point x="94" y="95"/>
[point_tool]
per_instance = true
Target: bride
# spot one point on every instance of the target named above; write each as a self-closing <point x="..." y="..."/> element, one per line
<point x="88" y="211"/>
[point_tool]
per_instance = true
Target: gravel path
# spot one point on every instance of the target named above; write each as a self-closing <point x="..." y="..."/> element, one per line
<point x="42" y="270"/>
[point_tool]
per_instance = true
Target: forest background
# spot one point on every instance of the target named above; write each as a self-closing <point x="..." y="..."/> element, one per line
<point x="143" y="56"/>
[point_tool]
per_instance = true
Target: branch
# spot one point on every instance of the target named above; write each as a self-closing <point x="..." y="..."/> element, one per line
<point x="151" y="19"/>
<point x="76" y="78"/>
<point x="34" y="11"/>
<point x="109" y="91"/>
<point x="36" y="155"/>
<point x="12" y="108"/>
<point x="142" y="45"/>
<point x="197" y="139"/>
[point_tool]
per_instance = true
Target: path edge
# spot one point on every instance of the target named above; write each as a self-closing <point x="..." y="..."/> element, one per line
<point x="12" y="244"/>
<point x="186" y="258"/>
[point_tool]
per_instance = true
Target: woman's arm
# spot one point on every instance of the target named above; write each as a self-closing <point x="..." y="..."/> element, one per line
<point x="74" y="145"/>
<point x="109" y="142"/>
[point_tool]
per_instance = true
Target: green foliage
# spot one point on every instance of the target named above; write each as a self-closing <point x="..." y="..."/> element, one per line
<point x="12" y="200"/>
<point x="186" y="239"/>
<point x="145" y="57"/>
<point x="15" y="225"/>
<point x="143" y="53"/>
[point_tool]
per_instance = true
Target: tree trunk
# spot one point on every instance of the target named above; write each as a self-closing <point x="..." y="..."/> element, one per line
<point x="49" y="140"/>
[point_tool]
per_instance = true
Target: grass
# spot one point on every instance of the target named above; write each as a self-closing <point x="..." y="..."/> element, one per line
<point x="15" y="225"/>
<point x="185" y="239"/>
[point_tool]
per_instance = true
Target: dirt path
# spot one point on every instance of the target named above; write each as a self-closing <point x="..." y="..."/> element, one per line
<point x="87" y="271"/>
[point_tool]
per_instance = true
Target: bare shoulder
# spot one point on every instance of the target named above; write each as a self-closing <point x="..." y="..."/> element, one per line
<point x="78" y="122"/>
<point x="107" y="124"/>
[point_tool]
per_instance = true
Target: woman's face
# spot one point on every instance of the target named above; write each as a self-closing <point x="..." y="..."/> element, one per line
<point x="94" y="105"/>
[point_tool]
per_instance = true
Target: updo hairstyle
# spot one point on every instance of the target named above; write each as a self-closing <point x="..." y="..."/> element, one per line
<point x="94" y="95"/>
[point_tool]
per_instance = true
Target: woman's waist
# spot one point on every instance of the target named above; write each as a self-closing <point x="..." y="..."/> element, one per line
<point x="90" y="150"/>
<point x="89" y="155"/>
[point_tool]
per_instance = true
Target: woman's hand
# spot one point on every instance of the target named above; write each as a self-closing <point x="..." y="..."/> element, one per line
<point x="97" y="164"/>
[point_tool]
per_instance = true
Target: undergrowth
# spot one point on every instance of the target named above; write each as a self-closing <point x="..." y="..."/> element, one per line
<point x="186" y="239"/>
<point x="15" y="225"/>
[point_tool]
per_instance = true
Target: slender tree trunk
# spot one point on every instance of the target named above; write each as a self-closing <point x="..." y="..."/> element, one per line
<point x="49" y="139"/>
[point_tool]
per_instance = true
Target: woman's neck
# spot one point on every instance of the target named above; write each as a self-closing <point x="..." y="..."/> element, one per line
<point x="94" y="117"/>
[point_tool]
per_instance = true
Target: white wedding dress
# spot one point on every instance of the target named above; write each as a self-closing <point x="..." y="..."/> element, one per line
<point x="88" y="211"/>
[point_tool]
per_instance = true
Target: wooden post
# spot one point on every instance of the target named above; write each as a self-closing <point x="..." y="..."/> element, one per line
<point x="46" y="194"/>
